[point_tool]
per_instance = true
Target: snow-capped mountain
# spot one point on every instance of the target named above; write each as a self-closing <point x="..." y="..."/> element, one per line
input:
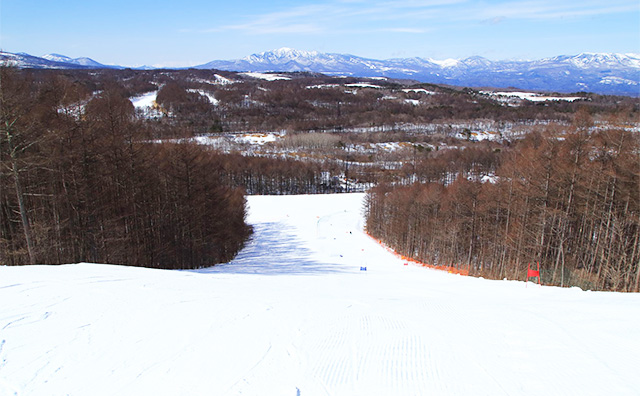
<point x="594" y="72"/>
<point x="290" y="60"/>
<point x="50" y="61"/>
<point x="84" y="61"/>
<point x="57" y="58"/>
<point x="602" y="73"/>
<point x="598" y="60"/>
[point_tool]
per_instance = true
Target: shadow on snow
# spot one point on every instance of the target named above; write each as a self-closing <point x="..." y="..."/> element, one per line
<point x="274" y="250"/>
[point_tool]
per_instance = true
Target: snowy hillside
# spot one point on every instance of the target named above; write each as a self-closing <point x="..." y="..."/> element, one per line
<point x="294" y="314"/>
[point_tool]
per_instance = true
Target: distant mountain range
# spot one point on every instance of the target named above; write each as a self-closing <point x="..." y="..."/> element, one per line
<point x="88" y="62"/>
<point x="50" y="61"/>
<point x="602" y="73"/>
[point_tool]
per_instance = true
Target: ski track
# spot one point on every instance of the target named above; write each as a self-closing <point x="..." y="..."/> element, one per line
<point x="293" y="314"/>
<point x="380" y="351"/>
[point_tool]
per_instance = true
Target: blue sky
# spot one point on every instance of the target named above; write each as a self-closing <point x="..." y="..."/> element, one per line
<point x="190" y="32"/>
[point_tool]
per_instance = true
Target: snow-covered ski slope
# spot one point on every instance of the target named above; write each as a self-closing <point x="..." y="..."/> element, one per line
<point x="295" y="315"/>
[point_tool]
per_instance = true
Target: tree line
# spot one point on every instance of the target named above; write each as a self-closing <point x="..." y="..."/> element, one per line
<point x="572" y="204"/>
<point x="80" y="182"/>
<point x="312" y="102"/>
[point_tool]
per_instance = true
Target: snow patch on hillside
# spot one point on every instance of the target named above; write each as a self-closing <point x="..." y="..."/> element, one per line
<point x="323" y="86"/>
<point x="266" y="76"/>
<point x="363" y="85"/>
<point x="530" y="96"/>
<point x="229" y="141"/>
<point x="217" y="80"/>
<point x="257" y="137"/>
<point x="618" y="81"/>
<point x="145" y="100"/>
<point x="146" y="105"/>
<point x="212" y="99"/>
<point x="418" y="90"/>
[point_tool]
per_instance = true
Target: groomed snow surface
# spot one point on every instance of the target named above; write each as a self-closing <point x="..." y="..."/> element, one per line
<point x="145" y="100"/>
<point x="293" y="314"/>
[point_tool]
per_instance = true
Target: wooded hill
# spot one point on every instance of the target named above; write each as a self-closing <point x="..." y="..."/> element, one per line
<point x="572" y="205"/>
<point x="84" y="188"/>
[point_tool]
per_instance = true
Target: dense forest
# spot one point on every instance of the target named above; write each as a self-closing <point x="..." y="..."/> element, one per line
<point x="470" y="178"/>
<point x="573" y="205"/>
<point x="86" y="189"/>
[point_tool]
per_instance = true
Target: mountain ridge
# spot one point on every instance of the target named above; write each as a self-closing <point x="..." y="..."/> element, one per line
<point x="603" y="73"/>
<point x="23" y="60"/>
<point x="82" y="61"/>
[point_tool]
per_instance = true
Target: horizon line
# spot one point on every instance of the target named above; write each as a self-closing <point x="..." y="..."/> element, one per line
<point x="168" y="65"/>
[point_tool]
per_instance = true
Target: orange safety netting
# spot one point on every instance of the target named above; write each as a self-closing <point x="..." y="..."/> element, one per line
<point x="449" y="268"/>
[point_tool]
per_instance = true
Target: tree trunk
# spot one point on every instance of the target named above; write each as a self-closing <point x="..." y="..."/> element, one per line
<point x="23" y="213"/>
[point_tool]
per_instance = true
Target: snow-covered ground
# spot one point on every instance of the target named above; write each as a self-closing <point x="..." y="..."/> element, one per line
<point x="231" y="141"/>
<point x="321" y="86"/>
<point x="363" y="85"/>
<point x="293" y="314"/>
<point x="146" y="100"/>
<point x="146" y="106"/>
<point x="419" y="90"/>
<point x="266" y="76"/>
<point x="530" y="96"/>
<point x="212" y="99"/>
<point x="217" y="80"/>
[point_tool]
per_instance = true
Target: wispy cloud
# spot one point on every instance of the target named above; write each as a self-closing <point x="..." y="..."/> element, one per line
<point x="337" y="16"/>
<point x="552" y="9"/>
<point x="301" y="19"/>
<point x="409" y="16"/>
<point x="495" y="20"/>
